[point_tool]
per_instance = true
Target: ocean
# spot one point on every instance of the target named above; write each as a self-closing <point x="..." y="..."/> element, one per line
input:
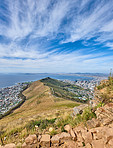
<point x="11" y="79"/>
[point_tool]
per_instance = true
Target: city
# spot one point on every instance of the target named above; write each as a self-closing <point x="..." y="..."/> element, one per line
<point x="88" y="87"/>
<point x="9" y="97"/>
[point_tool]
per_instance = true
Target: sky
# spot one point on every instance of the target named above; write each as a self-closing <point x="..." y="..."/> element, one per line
<point x="56" y="36"/>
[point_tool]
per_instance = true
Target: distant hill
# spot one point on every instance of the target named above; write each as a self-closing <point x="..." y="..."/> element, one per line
<point x="61" y="89"/>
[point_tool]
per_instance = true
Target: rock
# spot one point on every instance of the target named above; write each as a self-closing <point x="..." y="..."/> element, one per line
<point x="24" y="145"/>
<point x="39" y="137"/>
<point x="45" y="140"/>
<point x="87" y="136"/>
<point x="105" y="114"/>
<point x="64" y="136"/>
<point x="31" y="139"/>
<point x="76" y="111"/>
<point x="78" y="133"/>
<point x="69" y="144"/>
<point x="98" y="132"/>
<point x="73" y="135"/>
<point x="92" y="123"/>
<point x="88" y="145"/>
<point x="98" y="143"/>
<point x="55" y="140"/>
<point x="110" y="142"/>
<point x="11" y="145"/>
<point x="108" y="135"/>
<point x="93" y="103"/>
<point x="67" y="128"/>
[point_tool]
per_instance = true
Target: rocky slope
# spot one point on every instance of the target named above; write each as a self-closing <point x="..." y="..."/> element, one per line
<point x="98" y="133"/>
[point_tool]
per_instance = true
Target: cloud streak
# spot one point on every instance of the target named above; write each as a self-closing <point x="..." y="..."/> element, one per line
<point x="51" y="35"/>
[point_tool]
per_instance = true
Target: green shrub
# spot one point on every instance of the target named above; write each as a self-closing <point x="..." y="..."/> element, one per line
<point x="53" y="132"/>
<point x="42" y="124"/>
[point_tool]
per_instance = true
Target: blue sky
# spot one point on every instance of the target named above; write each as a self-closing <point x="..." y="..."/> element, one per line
<point x="56" y="36"/>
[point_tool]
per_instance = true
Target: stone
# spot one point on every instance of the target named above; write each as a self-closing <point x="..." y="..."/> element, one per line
<point x="55" y="140"/>
<point x="11" y="145"/>
<point x="67" y="128"/>
<point x="24" y="145"/>
<point x="64" y="136"/>
<point x="39" y="137"/>
<point x="31" y="139"/>
<point x="45" y="140"/>
<point x="98" y="143"/>
<point x="70" y="144"/>
<point x="92" y="123"/>
<point x="87" y="136"/>
<point x="98" y="132"/>
<point x="73" y="135"/>
<point x="76" y="111"/>
<point x="108" y="135"/>
<point x="105" y="114"/>
<point x="110" y="142"/>
<point x="78" y="133"/>
<point x="88" y="145"/>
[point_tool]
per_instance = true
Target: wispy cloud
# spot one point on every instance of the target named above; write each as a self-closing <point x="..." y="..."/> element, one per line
<point x="51" y="35"/>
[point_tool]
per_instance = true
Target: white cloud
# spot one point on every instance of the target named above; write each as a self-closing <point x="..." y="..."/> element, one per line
<point x="44" y="20"/>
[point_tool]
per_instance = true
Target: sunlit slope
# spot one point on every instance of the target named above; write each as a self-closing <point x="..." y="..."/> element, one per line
<point x="40" y="103"/>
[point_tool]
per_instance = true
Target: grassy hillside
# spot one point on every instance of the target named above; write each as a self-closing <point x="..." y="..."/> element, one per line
<point x="61" y="89"/>
<point x="40" y="104"/>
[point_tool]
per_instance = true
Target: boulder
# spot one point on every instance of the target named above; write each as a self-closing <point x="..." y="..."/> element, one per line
<point x="87" y="136"/>
<point x="76" y="111"/>
<point x="55" y="140"/>
<point x="78" y="133"/>
<point x="99" y="132"/>
<point x="31" y="139"/>
<point x="92" y="123"/>
<point x="110" y="142"/>
<point x="45" y="140"/>
<point x="69" y="144"/>
<point x="98" y="143"/>
<point x="105" y="114"/>
<point x="67" y="128"/>
<point x="39" y="137"/>
<point x="64" y="136"/>
<point x="11" y="145"/>
<point x="73" y="135"/>
<point x="88" y="145"/>
<point x="108" y="135"/>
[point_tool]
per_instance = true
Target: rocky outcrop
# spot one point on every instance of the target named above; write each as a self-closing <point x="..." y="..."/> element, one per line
<point x="105" y="114"/>
<point x="98" y="133"/>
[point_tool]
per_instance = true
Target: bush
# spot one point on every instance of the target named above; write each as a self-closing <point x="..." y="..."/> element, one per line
<point x="42" y="124"/>
<point x="80" y="118"/>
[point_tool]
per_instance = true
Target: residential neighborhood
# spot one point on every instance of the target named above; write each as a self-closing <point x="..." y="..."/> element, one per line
<point x="88" y="88"/>
<point x="9" y="97"/>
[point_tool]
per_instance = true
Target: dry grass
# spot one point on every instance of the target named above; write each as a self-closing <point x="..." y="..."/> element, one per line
<point x="40" y="104"/>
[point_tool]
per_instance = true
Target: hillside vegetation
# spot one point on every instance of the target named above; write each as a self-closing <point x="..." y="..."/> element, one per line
<point x="61" y="89"/>
<point x="40" y="106"/>
<point x="105" y="91"/>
